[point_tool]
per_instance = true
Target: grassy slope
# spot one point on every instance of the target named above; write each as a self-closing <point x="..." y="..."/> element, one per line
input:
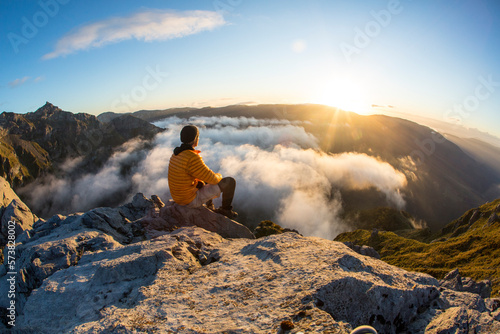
<point x="22" y="161"/>
<point x="10" y="166"/>
<point x="475" y="250"/>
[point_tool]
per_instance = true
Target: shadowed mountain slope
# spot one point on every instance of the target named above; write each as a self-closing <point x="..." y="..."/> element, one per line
<point x="37" y="143"/>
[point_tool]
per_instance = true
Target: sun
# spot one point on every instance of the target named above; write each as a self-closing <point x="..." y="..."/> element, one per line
<point x="342" y="94"/>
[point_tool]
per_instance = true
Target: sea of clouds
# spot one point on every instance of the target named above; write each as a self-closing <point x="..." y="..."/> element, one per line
<point x="281" y="174"/>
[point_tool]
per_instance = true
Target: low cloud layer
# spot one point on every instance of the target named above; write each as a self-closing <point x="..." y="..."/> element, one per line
<point x="51" y="195"/>
<point x="148" y="25"/>
<point x="281" y="174"/>
<point x="300" y="187"/>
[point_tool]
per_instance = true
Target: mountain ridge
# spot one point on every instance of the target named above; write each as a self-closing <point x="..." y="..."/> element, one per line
<point x="52" y="135"/>
<point x="481" y="151"/>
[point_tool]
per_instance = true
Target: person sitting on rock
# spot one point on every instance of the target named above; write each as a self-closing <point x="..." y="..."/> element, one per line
<point x="192" y="183"/>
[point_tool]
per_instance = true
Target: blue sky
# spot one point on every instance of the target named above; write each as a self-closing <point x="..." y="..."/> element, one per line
<point x="435" y="59"/>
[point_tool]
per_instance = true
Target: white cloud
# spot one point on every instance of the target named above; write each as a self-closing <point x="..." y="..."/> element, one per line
<point x="18" y="82"/>
<point x="148" y="25"/>
<point x="299" y="188"/>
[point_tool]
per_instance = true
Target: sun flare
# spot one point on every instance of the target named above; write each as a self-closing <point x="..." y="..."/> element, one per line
<point x="342" y="94"/>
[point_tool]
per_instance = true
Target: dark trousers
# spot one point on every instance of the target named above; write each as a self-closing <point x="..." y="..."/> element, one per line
<point x="227" y="185"/>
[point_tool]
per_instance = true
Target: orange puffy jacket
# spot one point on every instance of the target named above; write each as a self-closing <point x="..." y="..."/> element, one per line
<point x="185" y="170"/>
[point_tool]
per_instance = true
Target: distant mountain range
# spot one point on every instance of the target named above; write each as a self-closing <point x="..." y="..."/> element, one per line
<point x="37" y="143"/>
<point x="444" y="179"/>
<point x="487" y="154"/>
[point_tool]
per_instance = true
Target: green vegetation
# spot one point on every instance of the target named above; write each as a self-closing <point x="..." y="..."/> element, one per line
<point x="22" y="161"/>
<point x="266" y="228"/>
<point x="10" y="167"/>
<point x="382" y="218"/>
<point x="470" y="243"/>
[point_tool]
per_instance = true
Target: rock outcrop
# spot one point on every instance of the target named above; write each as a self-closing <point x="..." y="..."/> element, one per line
<point x="454" y="281"/>
<point x="192" y="280"/>
<point x="47" y="246"/>
<point x="134" y="269"/>
<point x="173" y="216"/>
<point x="363" y="250"/>
<point x="13" y="210"/>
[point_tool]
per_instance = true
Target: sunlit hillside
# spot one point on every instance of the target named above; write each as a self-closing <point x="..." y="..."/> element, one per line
<point x="470" y="243"/>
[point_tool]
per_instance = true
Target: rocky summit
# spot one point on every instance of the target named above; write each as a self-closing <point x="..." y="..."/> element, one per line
<point x="138" y="268"/>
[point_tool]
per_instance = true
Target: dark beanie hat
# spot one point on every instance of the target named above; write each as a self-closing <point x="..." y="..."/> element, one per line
<point x="189" y="134"/>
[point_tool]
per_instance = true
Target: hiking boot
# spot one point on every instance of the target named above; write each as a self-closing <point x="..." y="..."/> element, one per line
<point x="227" y="212"/>
<point x="210" y="205"/>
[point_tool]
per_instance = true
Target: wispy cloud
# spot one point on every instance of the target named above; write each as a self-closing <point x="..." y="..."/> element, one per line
<point x="18" y="82"/>
<point x="24" y="80"/>
<point x="148" y="25"/>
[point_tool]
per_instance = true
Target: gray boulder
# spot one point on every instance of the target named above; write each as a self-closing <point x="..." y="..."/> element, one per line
<point x="454" y="281"/>
<point x="363" y="250"/>
<point x="112" y="222"/>
<point x="173" y="216"/>
<point x="461" y="319"/>
<point x="38" y="260"/>
<point x="452" y="320"/>
<point x="121" y="223"/>
<point x="493" y="304"/>
<point x="59" y="242"/>
<point x="113" y="279"/>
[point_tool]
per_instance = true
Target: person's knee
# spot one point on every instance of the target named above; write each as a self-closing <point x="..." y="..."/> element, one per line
<point x="227" y="183"/>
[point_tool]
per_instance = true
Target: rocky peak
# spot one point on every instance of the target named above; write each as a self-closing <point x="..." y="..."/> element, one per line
<point x="53" y="114"/>
<point x="48" y="111"/>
